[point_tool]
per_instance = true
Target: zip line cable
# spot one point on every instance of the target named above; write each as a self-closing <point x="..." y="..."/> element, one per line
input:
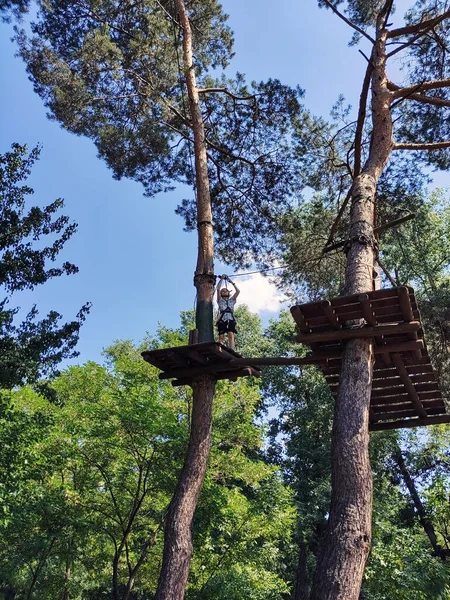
<point x="261" y="271"/>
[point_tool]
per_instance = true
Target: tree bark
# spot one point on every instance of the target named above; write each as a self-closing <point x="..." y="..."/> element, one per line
<point x="301" y="577"/>
<point x="346" y="543"/>
<point x="177" y="534"/>
<point x="67" y="576"/>
<point x="204" y="272"/>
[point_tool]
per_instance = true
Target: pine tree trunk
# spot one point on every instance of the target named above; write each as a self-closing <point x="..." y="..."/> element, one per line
<point x="346" y="544"/>
<point x="177" y="534"/>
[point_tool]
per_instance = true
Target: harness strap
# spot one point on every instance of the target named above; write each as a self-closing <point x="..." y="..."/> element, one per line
<point x="226" y="310"/>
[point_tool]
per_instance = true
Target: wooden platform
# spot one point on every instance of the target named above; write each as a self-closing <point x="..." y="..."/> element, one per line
<point x="405" y="390"/>
<point x="183" y="363"/>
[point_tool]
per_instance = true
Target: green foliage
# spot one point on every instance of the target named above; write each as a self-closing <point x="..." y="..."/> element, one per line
<point x="418" y="251"/>
<point x="87" y="481"/>
<point x="114" y="73"/>
<point x="13" y="9"/>
<point x="32" y="348"/>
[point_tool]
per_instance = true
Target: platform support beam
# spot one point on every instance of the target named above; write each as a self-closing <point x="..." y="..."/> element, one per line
<point x="398" y="362"/>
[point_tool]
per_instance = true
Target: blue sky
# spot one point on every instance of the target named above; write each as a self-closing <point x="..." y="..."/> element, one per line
<point x="136" y="264"/>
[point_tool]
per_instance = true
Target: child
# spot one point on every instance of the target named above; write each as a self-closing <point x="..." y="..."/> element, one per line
<point x="226" y="323"/>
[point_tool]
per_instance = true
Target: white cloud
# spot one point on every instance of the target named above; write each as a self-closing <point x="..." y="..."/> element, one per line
<point x="259" y="294"/>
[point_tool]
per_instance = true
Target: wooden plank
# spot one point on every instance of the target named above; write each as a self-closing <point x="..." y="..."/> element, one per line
<point x="233" y="375"/>
<point x="334" y="358"/>
<point x="178" y="359"/>
<point x="403" y="423"/>
<point x="223" y="352"/>
<point x="398" y="399"/>
<point x="392" y="382"/>
<point x="407" y="413"/>
<point x="395" y="381"/>
<point x="421" y="387"/>
<point x="330" y="314"/>
<point x="403" y="347"/>
<point x="406" y="405"/>
<point x="367" y="311"/>
<point x="297" y="313"/>
<point x="193" y="337"/>
<point x="196" y="356"/>
<point x="190" y="372"/>
<point x="377" y="294"/>
<point x="406" y="309"/>
<point x="405" y="303"/>
<point x="397" y="360"/>
<point x="276" y="360"/>
<point x="248" y="372"/>
<point x="388" y="392"/>
<point x="360" y="332"/>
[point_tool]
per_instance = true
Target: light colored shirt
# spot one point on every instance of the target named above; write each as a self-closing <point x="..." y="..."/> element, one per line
<point x="224" y="314"/>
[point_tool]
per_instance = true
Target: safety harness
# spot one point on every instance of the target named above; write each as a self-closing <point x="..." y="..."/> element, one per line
<point x="226" y="310"/>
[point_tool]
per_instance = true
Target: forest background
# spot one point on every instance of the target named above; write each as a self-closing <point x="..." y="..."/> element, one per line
<point x="431" y="582"/>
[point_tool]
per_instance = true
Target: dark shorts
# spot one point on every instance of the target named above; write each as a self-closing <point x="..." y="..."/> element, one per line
<point x="226" y="326"/>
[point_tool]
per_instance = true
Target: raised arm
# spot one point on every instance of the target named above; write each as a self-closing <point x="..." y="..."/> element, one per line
<point x="237" y="291"/>
<point x="219" y="285"/>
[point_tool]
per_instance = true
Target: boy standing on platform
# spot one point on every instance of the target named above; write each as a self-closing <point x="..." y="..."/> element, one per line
<point x="226" y="323"/>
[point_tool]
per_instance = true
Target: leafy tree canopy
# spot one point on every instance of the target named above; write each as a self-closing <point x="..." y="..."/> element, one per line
<point x="32" y="348"/>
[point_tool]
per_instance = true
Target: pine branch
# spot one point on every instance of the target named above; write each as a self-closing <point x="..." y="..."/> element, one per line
<point x="421" y="27"/>
<point x="429" y="100"/>
<point x="227" y="92"/>
<point x="424" y="146"/>
<point x="402" y="92"/>
<point x="337" y="220"/>
<point x="349" y="23"/>
<point x="405" y="45"/>
<point x="229" y="154"/>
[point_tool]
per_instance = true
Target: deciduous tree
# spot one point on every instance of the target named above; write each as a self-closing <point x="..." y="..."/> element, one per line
<point x="30" y="349"/>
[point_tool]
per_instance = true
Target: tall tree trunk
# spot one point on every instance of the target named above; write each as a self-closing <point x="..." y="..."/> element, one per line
<point x="177" y="534"/>
<point x="301" y="591"/>
<point x="426" y="523"/>
<point x="346" y="544"/>
<point x="67" y="576"/>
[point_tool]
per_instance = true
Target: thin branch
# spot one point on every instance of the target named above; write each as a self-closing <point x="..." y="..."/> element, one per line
<point x="169" y="15"/>
<point x="99" y="18"/>
<point x="424" y="146"/>
<point x="337" y="219"/>
<point x="120" y="97"/>
<point x="386" y="11"/>
<point x="349" y="23"/>
<point x="361" y="119"/>
<point x="164" y="100"/>
<point x="404" y="45"/>
<point x="366" y="57"/>
<point x="421" y="27"/>
<point x="386" y="272"/>
<point x="230" y="154"/>
<point x="227" y="92"/>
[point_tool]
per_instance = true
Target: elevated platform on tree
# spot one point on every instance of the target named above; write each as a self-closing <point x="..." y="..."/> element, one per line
<point x="405" y="391"/>
<point x="183" y="363"/>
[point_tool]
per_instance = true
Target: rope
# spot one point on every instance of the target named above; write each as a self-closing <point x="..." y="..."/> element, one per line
<point x="254" y="272"/>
